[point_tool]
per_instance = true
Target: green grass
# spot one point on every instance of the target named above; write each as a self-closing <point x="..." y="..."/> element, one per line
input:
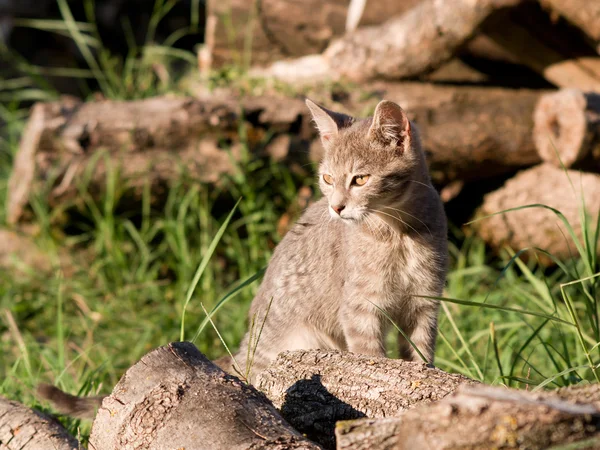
<point x="145" y="275"/>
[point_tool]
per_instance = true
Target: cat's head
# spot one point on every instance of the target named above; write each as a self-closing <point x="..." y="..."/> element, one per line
<point x="369" y="164"/>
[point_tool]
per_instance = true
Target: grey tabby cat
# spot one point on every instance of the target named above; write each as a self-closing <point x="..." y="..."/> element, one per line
<point x="376" y="241"/>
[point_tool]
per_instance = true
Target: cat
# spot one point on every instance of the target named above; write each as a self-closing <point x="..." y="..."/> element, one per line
<point x="369" y="251"/>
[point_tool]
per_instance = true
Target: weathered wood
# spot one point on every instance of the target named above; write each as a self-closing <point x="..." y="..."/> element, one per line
<point x="22" y="428"/>
<point x="314" y="389"/>
<point x="468" y="133"/>
<point x="539" y="227"/>
<point x="567" y="129"/>
<point x="584" y="14"/>
<point x="266" y="31"/>
<point x="478" y="417"/>
<point x="174" y="397"/>
<point x="149" y="141"/>
<point x="408" y="45"/>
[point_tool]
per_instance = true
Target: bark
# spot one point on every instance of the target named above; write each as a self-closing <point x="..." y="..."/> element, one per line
<point x="269" y="30"/>
<point x="567" y="129"/>
<point x="314" y="389"/>
<point x="478" y="417"/>
<point x="539" y="227"/>
<point x="581" y="13"/>
<point x="405" y="46"/>
<point x="150" y="141"/>
<point x="22" y="428"/>
<point x="553" y="50"/>
<point x="176" y="398"/>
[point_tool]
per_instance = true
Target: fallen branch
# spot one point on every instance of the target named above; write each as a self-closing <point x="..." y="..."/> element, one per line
<point x="174" y="397"/>
<point x="478" y="417"/>
<point x="22" y="428"/>
<point x="314" y="389"/>
<point x="567" y="129"/>
<point x="540" y="227"/>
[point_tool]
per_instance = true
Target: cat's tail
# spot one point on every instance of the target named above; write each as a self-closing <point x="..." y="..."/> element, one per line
<point x="70" y="405"/>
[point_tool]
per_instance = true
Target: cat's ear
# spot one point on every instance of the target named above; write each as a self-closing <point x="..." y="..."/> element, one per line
<point x="328" y="122"/>
<point x="391" y="126"/>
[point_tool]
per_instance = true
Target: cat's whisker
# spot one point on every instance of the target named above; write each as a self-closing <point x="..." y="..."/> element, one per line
<point x="373" y="227"/>
<point x="410" y="215"/>
<point x="423" y="184"/>
<point x="399" y="220"/>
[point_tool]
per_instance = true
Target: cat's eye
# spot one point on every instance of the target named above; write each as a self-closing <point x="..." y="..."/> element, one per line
<point x="327" y="179"/>
<point x="360" y="180"/>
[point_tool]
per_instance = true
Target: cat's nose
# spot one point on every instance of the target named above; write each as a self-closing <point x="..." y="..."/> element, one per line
<point x="338" y="208"/>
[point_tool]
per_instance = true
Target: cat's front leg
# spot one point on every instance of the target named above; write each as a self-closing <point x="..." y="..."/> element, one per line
<point x="421" y="326"/>
<point x="364" y="327"/>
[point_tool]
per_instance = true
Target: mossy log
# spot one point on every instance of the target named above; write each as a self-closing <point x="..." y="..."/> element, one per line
<point x="479" y="417"/>
<point x="567" y="129"/>
<point x="174" y="397"/>
<point x="22" y="428"/>
<point x="314" y="389"/>
<point x="538" y="227"/>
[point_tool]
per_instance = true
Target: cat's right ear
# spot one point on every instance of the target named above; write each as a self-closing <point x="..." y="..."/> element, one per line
<point x="328" y="122"/>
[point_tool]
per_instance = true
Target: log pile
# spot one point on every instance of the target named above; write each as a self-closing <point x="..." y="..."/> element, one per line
<point x="479" y="125"/>
<point x="175" y="398"/>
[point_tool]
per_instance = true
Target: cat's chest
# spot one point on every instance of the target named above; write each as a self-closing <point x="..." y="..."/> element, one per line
<point x="389" y="266"/>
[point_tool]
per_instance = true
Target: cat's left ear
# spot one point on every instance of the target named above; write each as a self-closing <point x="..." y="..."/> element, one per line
<point x="328" y="122"/>
<point x="391" y="126"/>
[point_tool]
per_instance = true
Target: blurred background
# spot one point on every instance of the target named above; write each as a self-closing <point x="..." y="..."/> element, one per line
<point x="131" y="128"/>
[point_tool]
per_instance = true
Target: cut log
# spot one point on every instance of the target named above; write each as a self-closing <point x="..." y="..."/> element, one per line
<point x="405" y="46"/>
<point x="266" y="31"/>
<point x="584" y="14"/>
<point x="469" y="133"/>
<point x="539" y="227"/>
<point x="478" y="417"/>
<point x="174" y="397"/>
<point x="552" y="50"/>
<point x="314" y="389"/>
<point x="149" y="141"/>
<point x="22" y="428"/>
<point x="567" y="129"/>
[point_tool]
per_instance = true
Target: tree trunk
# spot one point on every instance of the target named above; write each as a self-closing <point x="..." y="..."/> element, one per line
<point x="314" y="389"/>
<point x="539" y="227"/>
<point x="584" y="14"/>
<point x="22" y="428"/>
<point x="478" y="417"/>
<point x="261" y="32"/>
<point x="567" y="129"/>
<point x="174" y="397"/>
